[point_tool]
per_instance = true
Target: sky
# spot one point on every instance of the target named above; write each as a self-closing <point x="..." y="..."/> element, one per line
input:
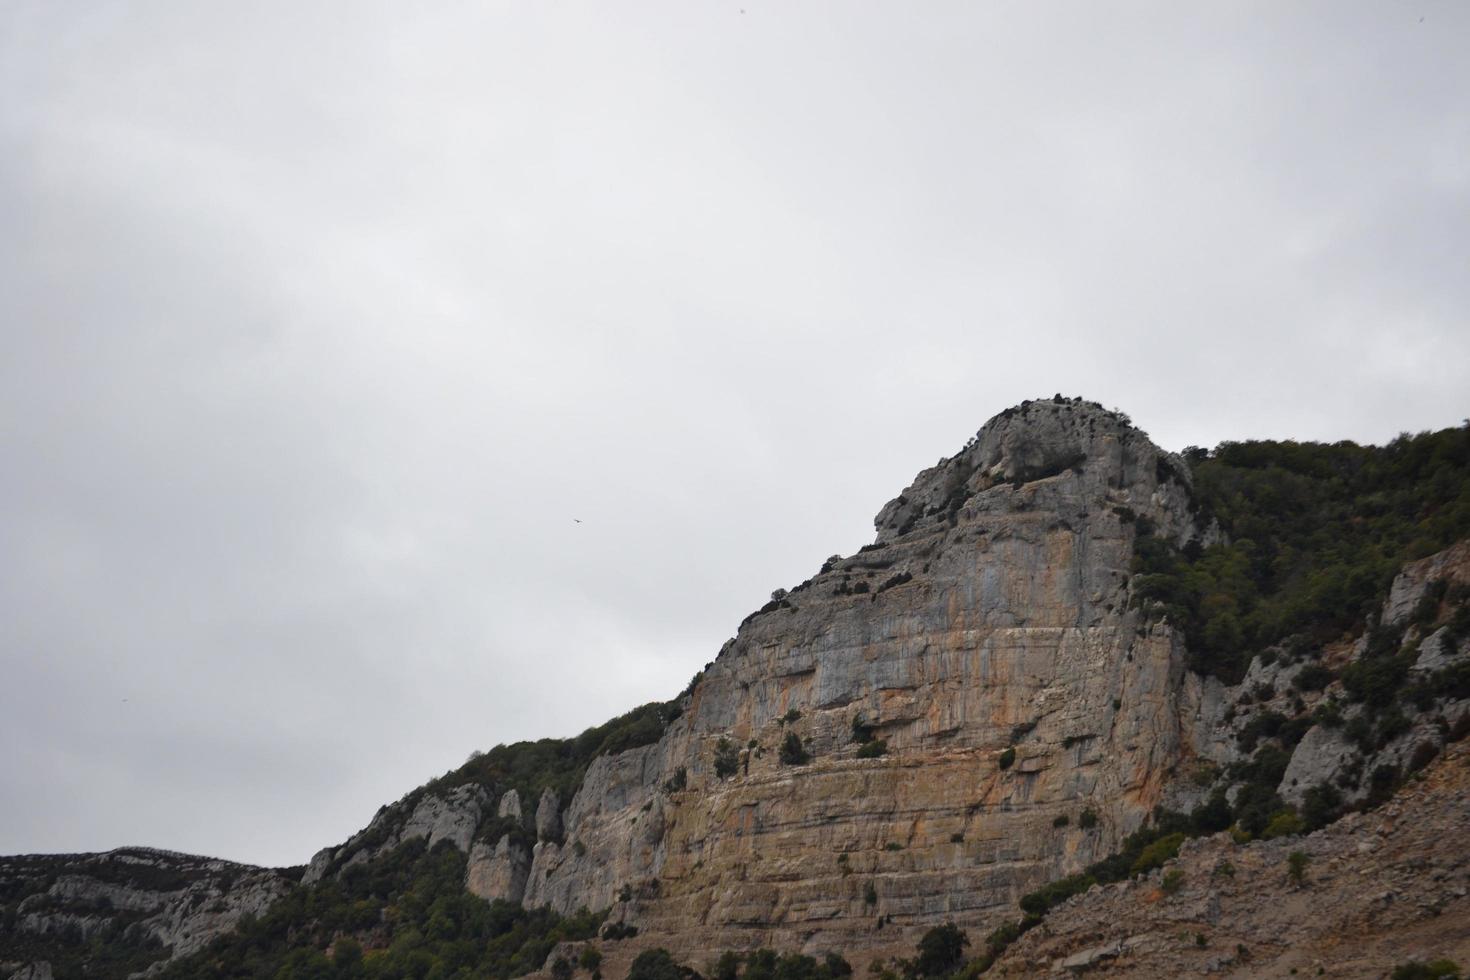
<point x="323" y="325"/>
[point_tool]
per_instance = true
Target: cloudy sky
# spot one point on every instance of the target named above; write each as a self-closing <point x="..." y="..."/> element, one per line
<point x="320" y="324"/>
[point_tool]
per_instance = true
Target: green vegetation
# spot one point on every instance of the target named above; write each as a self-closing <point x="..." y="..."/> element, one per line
<point x="554" y="763"/>
<point x="1088" y="819"/>
<point x="657" y="964"/>
<point x="941" y="951"/>
<point x="873" y="749"/>
<point x="1434" y="970"/>
<point x="1173" y="881"/>
<point x="792" y="753"/>
<point x="727" y="760"/>
<point x="767" y="964"/>
<point x="1296" y="867"/>
<point x="1007" y="759"/>
<point x="1313" y="535"/>
<point x="1155" y="854"/>
<point x="406" y="914"/>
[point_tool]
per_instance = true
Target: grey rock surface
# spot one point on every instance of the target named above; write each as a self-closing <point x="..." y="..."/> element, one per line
<point x="548" y="816"/>
<point x="499" y="872"/>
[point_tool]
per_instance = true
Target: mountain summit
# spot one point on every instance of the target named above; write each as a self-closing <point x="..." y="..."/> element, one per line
<point x="994" y="705"/>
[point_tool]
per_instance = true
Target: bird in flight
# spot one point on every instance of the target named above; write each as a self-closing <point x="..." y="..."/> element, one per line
<point x="577" y="519"/>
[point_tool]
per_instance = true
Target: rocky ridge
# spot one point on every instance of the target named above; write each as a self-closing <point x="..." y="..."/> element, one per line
<point x="1377" y="890"/>
<point x="923" y="732"/>
<point x="141" y="897"/>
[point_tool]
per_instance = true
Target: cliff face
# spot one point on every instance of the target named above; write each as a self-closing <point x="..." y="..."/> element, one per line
<point x="966" y="709"/>
<point x="985" y="638"/>
<point x="1378" y="890"/>
<point x="158" y="903"/>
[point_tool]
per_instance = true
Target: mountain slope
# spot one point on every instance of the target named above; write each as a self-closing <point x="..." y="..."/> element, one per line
<point x="996" y="694"/>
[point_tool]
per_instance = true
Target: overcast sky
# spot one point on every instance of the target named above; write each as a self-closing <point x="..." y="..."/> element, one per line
<point x="320" y="324"/>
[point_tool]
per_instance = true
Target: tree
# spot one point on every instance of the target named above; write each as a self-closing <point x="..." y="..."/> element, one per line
<point x="654" y="964"/>
<point x="941" y="951"/>
<point x="590" y="959"/>
<point x="727" y="760"/>
<point x="792" y="751"/>
<point x="1296" y="867"/>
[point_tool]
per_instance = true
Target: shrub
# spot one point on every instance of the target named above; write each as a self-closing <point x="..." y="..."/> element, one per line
<point x="1283" y="823"/>
<point x="1424" y="754"/>
<point x="941" y="951"/>
<point x="561" y="968"/>
<point x="873" y="749"/>
<point x="1054" y="893"/>
<point x="1296" y="867"/>
<point x="590" y="959"/>
<point x="1312" y="536"/>
<point x="1434" y="970"/>
<point x="1155" y="854"/>
<point x="1173" y="881"/>
<point x="791" y="717"/>
<point x="1061" y="821"/>
<point x="1088" y="819"/>
<point x="861" y="731"/>
<point x="1312" y="677"/>
<point x="677" y="781"/>
<point x="1320" y="805"/>
<point x="727" y="759"/>
<point x="1007" y="758"/>
<point x="727" y="967"/>
<point x="654" y="964"/>
<point x="792" y="752"/>
<point x="870" y="895"/>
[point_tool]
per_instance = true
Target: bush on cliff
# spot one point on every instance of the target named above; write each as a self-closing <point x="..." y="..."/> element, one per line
<point x="1312" y="537"/>
<point x="727" y="760"/>
<point x="792" y="751"/>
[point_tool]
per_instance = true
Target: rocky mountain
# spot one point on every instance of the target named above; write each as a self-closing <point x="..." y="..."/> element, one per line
<point x="1064" y="649"/>
<point x="1374" y="891"/>
<point x="121" y="911"/>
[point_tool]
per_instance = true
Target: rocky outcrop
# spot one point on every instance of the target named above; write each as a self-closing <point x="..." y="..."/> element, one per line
<point x="984" y="649"/>
<point x="1410" y="586"/>
<point x="548" y="816"/>
<point x="1378" y="890"/>
<point x="914" y="734"/>
<point x="453" y="816"/>
<point x="177" y="900"/>
<point x="510" y="806"/>
<point x="498" y="873"/>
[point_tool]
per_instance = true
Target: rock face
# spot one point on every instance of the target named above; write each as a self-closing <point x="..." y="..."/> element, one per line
<point x="548" y="816"/>
<point x="1451" y="566"/>
<point x="1379" y="889"/>
<point x="178" y="900"/>
<point x="498" y="873"/>
<point x="985" y="641"/>
<point x="920" y="733"/>
<point x="453" y="816"/>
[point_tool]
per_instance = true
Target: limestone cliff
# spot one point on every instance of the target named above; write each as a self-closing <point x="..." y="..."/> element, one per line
<point x="985" y="641"/>
<point x="973" y="705"/>
<point x="160" y="902"/>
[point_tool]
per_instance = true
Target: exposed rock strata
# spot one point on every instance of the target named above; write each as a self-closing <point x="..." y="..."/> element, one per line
<point x="990" y="614"/>
<point x="1380" y="889"/>
<point x="178" y="900"/>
